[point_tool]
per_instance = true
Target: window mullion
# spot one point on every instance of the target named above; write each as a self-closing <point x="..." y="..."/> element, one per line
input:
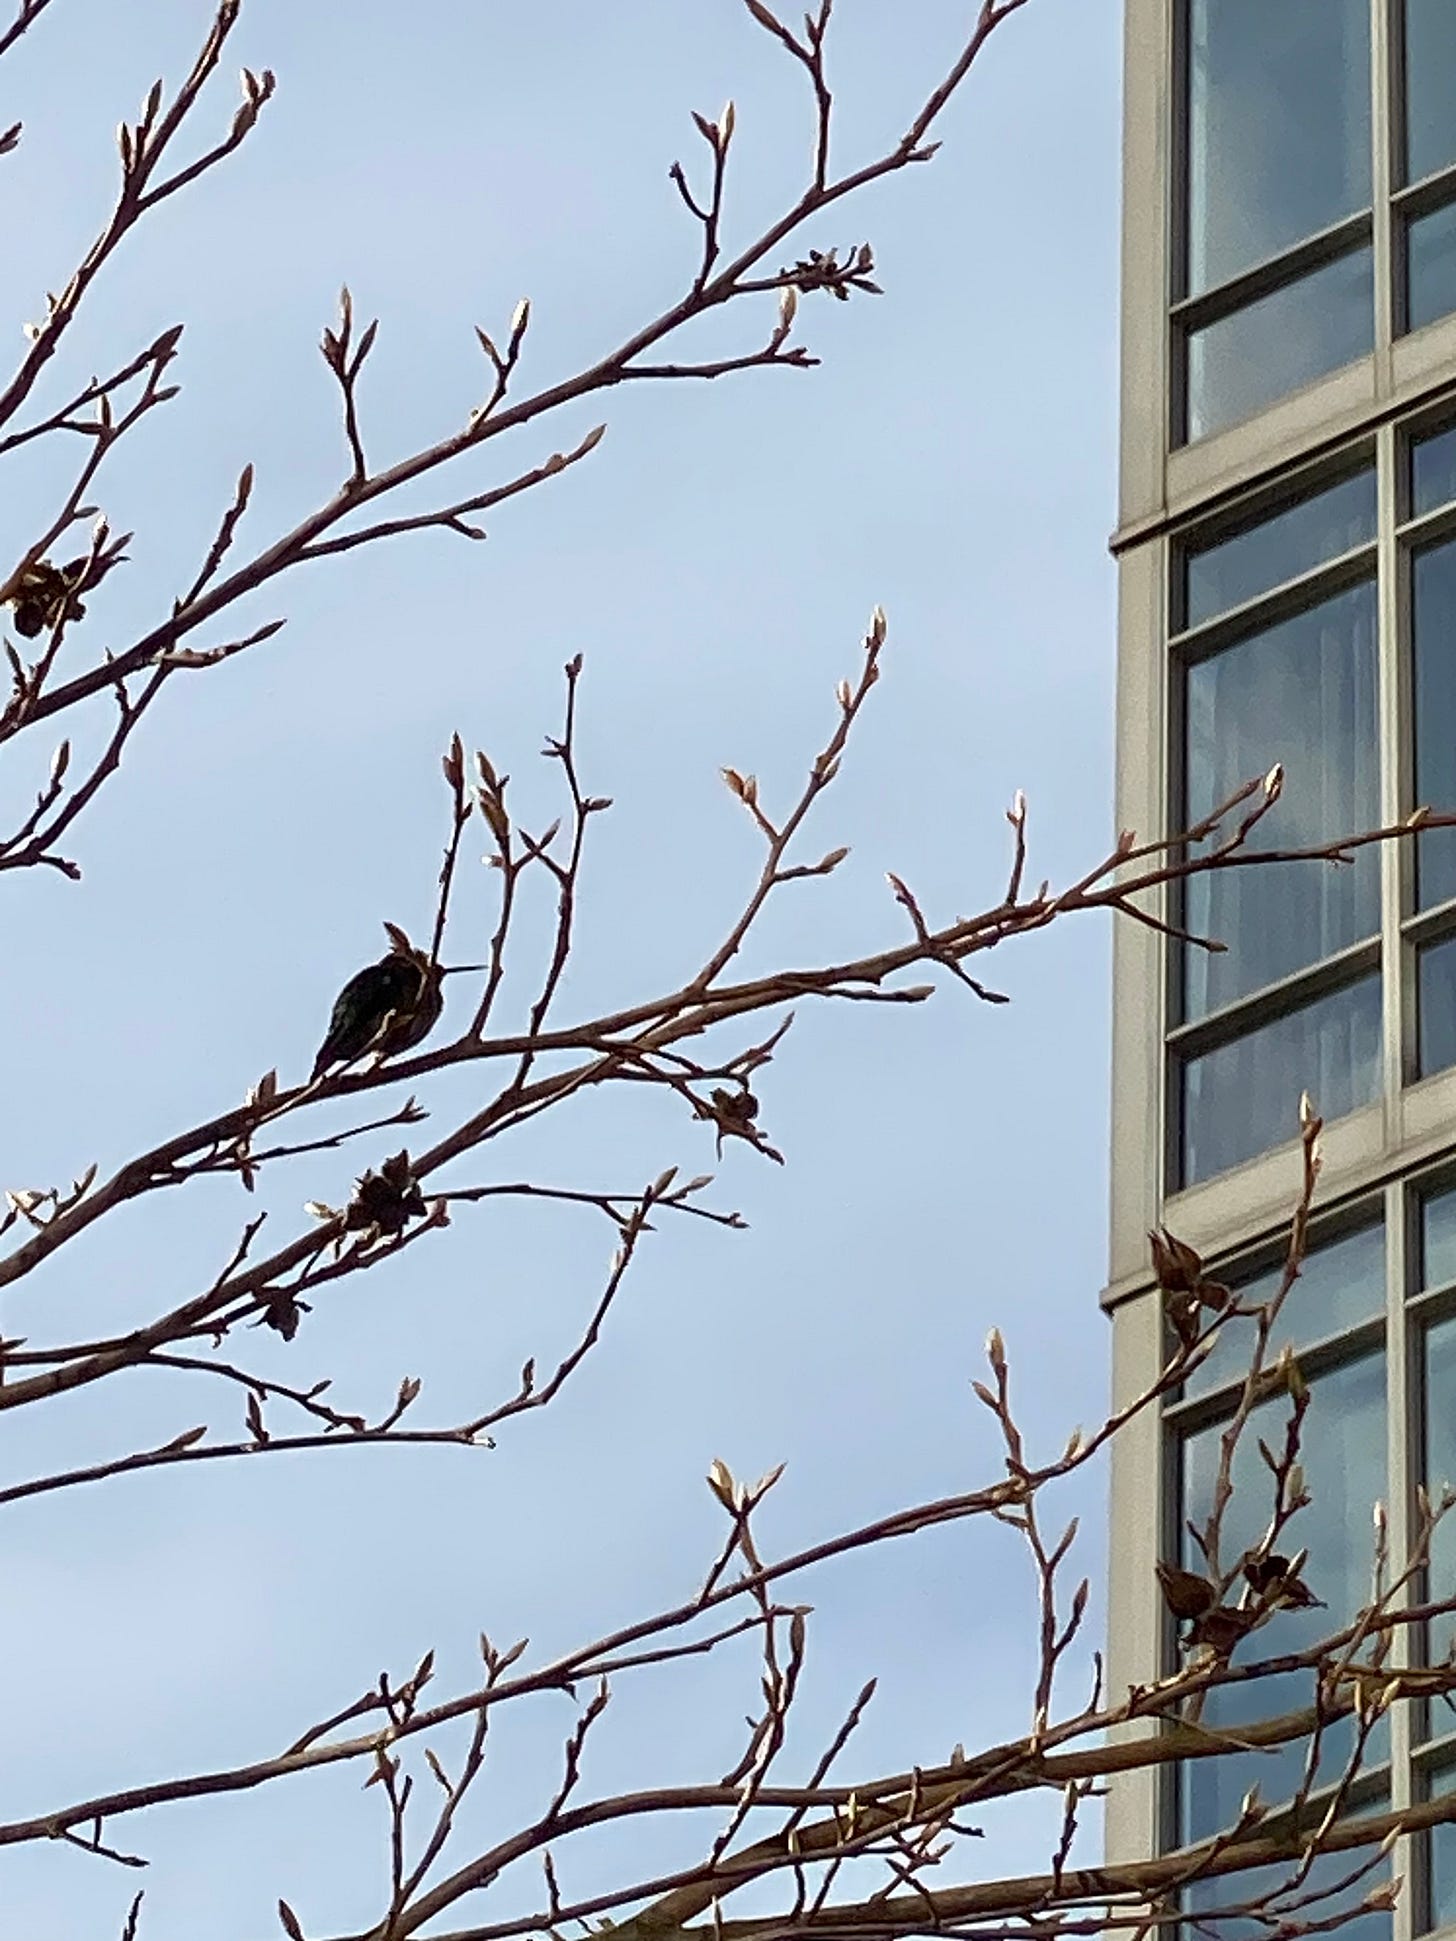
<point x="1393" y="708"/>
<point x="1400" y="1444"/>
<point x="1383" y="126"/>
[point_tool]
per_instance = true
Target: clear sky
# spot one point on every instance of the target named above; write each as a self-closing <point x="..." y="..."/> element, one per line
<point x="715" y="561"/>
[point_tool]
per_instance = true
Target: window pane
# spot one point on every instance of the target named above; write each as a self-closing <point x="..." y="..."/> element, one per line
<point x="1431" y="255"/>
<point x="1438" y="1238"/>
<point x="1439" y="1468"/>
<point x="1342" y="1447"/>
<point x="1278" y="112"/>
<point x="1437" y="974"/>
<point x="1269" y="348"/>
<point x="1433" y="471"/>
<point x="1301" y="692"/>
<point x="1243" y="1098"/>
<point x="1263" y="556"/>
<point x="1339" y="1286"/>
<point x="1327" y="1871"/>
<point x="1433" y="631"/>
<point x="1430" y="86"/>
<point x="1440" y="1843"/>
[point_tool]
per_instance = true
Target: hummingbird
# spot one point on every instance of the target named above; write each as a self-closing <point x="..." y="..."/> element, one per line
<point x="387" y="1007"/>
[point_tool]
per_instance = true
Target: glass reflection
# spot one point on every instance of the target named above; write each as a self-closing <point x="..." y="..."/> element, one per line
<point x="1433" y="471"/>
<point x="1278" y="119"/>
<point x="1281" y="342"/>
<point x="1340" y="1285"/>
<point x="1431" y="260"/>
<point x="1440" y="1909"/>
<point x="1438" y="1238"/>
<point x="1243" y="1098"/>
<point x="1342" y="1448"/>
<point x="1430" y="86"/>
<point x="1301" y="692"/>
<point x="1232" y="570"/>
<point x="1436" y="967"/>
<point x="1438" y="1469"/>
<point x="1433" y="633"/>
<point x="1326" y="1873"/>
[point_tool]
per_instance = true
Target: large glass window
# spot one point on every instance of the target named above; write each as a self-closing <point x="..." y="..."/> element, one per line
<point x="1275" y="344"/>
<point x="1273" y="277"/>
<point x="1433" y="632"/>
<point x="1334" y="1313"/>
<point x="1277" y="654"/>
<point x="1293" y="680"/>
<point x="1228" y="570"/>
<point x="1341" y="1286"/>
<point x="1242" y="1097"/>
<point x="1277" y="157"/>
<point x="1431" y="577"/>
<point x="1342" y="1448"/>
<point x="1430" y="68"/>
<point x="1335" y="1317"/>
<point x="1300" y="691"/>
<point x="1426" y="204"/>
<point x="1278" y="127"/>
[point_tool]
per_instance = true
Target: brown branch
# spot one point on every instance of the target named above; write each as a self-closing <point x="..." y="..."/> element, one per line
<point x="310" y="538"/>
<point x="30" y="12"/>
<point x="143" y="146"/>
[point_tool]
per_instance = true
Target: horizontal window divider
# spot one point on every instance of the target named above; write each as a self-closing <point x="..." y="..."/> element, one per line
<point x="1266" y="1253"/>
<point x="1432" y="1303"/>
<point x="1321" y="582"/>
<point x="1274" y="272"/>
<point x="1431" y="192"/>
<point x="1425" y="403"/>
<point x="1438" y="1750"/>
<point x="1314" y="1357"/>
<point x="1430" y="926"/>
<point x="1429" y="528"/>
<point x="1277" y="1000"/>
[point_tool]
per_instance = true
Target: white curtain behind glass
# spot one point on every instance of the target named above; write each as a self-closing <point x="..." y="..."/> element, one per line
<point x="1302" y="692"/>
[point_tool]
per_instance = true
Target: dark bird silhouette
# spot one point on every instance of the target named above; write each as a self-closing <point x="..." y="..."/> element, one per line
<point x="388" y="1007"/>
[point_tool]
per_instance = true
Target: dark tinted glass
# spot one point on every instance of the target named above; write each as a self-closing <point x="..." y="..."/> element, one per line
<point x="1301" y="692"/>
<point x="1243" y="1098"/>
<point x="1439" y="1468"/>
<point x="1339" y="1285"/>
<point x="1440" y="1910"/>
<point x="1342" y="1447"/>
<point x="1278" y="110"/>
<point x="1433" y="634"/>
<point x="1430" y="86"/>
<point x="1437" y="968"/>
<point x="1286" y="340"/>
<point x="1438" y="1238"/>
<point x="1433" y="471"/>
<point x="1324" y="1877"/>
<point x="1238" y="568"/>
<point x="1431" y="258"/>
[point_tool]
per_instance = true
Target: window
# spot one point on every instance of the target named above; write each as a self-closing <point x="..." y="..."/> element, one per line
<point x="1425" y="202"/>
<point x="1278" y="655"/>
<point x="1280" y="665"/>
<point x="1431" y="547"/>
<point x="1335" y="1316"/>
<point x="1274" y="269"/>
<point x="1337" y="1319"/>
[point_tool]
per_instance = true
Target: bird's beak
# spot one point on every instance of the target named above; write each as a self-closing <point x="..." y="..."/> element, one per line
<point x="454" y="970"/>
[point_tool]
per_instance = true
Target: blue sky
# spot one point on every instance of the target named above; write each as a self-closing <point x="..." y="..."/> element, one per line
<point x="715" y="561"/>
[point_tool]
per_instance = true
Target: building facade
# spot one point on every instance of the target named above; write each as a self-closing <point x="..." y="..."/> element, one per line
<point x="1286" y="548"/>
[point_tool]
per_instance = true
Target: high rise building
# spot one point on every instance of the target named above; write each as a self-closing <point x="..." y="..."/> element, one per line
<point x="1286" y="547"/>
